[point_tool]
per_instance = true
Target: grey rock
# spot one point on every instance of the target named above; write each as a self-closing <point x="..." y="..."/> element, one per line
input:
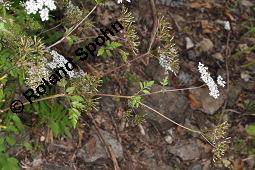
<point x="185" y="79"/>
<point x="189" y="43"/>
<point x="169" y="139"/>
<point x="196" y="167"/>
<point x="234" y="92"/>
<point x="94" y="149"/>
<point x="218" y="56"/>
<point x="37" y="162"/>
<point x="209" y="104"/>
<point x="170" y="104"/>
<point x="187" y="151"/>
<point x="156" y="71"/>
<point x="204" y="46"/>
<point x="191" y="54"/>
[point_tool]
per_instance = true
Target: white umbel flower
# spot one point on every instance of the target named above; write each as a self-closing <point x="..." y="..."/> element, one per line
<point x="50" y="4"/>
<point x="206" y="77"/>
<point x="167" y="63"/>
<point x="60" y="61"/>
<point x="120" y="1"/>
<point x="31" y="7"/>
<point x="220" y="81"/>
<point x="44" y="14"/>
<point x="41" y="6"/>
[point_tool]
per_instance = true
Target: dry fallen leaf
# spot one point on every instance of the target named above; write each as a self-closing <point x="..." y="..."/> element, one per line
<point x="201" y="5"/>
<point x="207" y="27"/>
<point x="238" y="164"/>
<point x="194" y="102"/>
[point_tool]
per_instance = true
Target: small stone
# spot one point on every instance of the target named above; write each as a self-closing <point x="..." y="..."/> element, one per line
<point x="189" y="43"/>
<point x="218" y="56"/>
<point x="227" y="25"/>
<point x="226" y="163"/>
<point x="169" y="139"/>
<point x="197" y="167"/>
<point x="245" y="76"/>
<point x="37" y="162"/>
<point x="42" y="138"/>
<point x="205" y="45"/>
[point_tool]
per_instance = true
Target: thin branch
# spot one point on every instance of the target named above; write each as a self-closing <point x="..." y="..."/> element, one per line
<point x="100" y="95"/>
<point x="173" y="90"/>
<point x="38" y="100"/>
<point x="49" y="29"/>
<point x="148" y="107"/>
<point x="184" y="127"/>
<point x="152" y="39"/>
<point x="59" y="41"/>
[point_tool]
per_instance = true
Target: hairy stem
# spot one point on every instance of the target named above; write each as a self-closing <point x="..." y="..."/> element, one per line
<point x="77" y="25"/>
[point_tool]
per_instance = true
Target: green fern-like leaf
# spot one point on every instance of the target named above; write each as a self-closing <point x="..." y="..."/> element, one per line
<point x="74" y="115"/>
<point x="130" y="34"/>
<point x="167" y="50"/>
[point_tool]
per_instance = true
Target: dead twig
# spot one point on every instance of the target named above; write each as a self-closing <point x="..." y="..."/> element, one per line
<point x="107" y="146"/>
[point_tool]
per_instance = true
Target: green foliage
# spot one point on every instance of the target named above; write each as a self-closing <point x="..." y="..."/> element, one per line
<point x="168" y="47"/>
<point x="138" y="119"/>
<point x="249" y="106"/>
<point x="130" y="34"/>
<point x="146" y="86"/>
<point x="13" y="125"/>
<point x="106" y="51"/>
<point x="8" y="163"/>
<point x="77" y="104"/>
<point x="28" y="146"/>
<point x="127" y="115"/>
<point x="135" y="101"/>
<point x="55" y="116"/>
<point x="251" y="129"/>
<point x="124" y="55"/>
<point x="164" y="81"/>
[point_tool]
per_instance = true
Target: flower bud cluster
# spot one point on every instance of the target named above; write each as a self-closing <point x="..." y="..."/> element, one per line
<point x="206" y="77"/>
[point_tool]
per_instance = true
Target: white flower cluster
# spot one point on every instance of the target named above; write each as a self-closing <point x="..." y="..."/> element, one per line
<point x="36" y="73"/>
<point x="165" y="61"/>
<point x="120" y="1"/>
<point x="206" y="77"/>
<point x="6" y="4"/>
<point x="220" y="81"/>
<point x="41" y="6"/>
<point x="60" y="61"/>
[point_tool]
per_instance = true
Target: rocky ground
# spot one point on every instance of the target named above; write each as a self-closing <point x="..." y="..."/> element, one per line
<point x="202" y="34"/>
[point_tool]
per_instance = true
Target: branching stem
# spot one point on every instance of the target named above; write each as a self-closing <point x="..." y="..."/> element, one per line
<point x="77" y="25"/>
